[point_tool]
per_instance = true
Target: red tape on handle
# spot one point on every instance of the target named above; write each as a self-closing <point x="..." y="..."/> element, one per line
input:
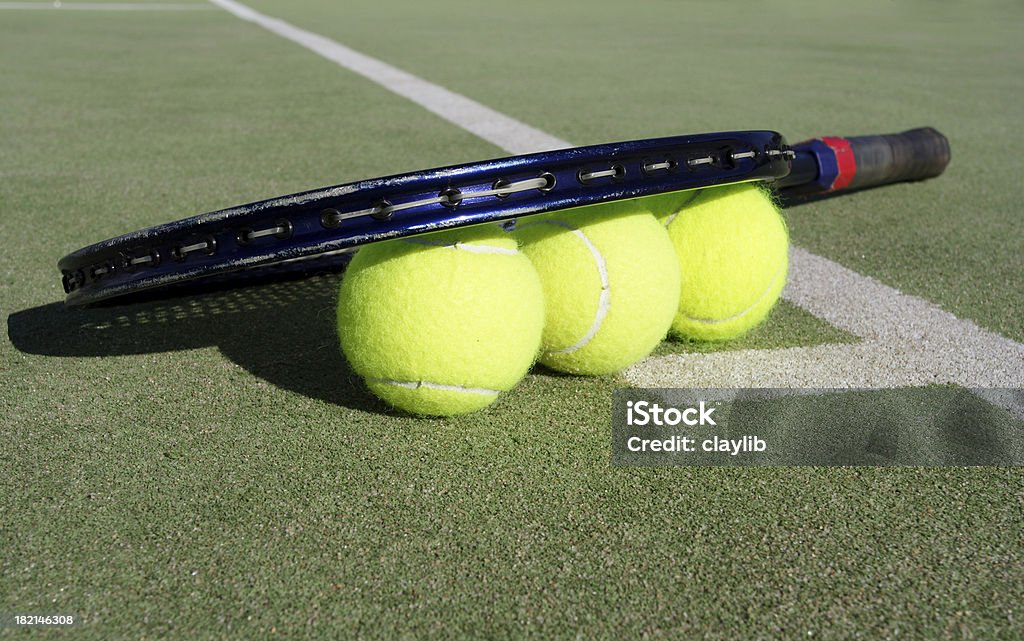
<point x="846" y="163"/>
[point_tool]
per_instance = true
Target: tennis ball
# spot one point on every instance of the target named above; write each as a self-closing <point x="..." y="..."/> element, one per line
<point x="611" y="285"/>
<point x="441" y="324"/>
<point x="733" y="253"/>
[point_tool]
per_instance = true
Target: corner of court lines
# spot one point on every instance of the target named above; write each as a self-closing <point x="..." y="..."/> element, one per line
<point x="906" y="341"/>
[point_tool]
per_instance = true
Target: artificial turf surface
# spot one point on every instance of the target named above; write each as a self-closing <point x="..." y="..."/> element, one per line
<point x="206" y="466"/>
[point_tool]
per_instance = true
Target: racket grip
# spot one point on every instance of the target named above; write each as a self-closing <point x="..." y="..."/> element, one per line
<point x="832" y="164"/>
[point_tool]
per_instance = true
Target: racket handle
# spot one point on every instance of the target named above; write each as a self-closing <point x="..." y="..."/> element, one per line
<point x="831" y="164"/>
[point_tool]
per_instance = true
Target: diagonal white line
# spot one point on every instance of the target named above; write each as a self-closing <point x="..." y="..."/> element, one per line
<point x="508" y="133"/>
<point x="861" y="365"/>
<point x="1011" y="400"/>
<point x="907" y="340"/>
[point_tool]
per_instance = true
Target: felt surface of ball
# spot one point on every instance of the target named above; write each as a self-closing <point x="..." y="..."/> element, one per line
<point x="733" y="251"/>
<point x="441" y="324"/>
<point x="611" y="284"/>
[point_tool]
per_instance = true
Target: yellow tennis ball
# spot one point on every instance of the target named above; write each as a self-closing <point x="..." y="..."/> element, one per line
<point x="733" y="252"/>
<point x="441" y="324"/>
<point x="611" y="285"/>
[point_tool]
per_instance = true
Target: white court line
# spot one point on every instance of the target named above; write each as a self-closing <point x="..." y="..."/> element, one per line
<point x="907" y="341"/>
<point x="105" y="6"/>
<point x="508" y="133"/>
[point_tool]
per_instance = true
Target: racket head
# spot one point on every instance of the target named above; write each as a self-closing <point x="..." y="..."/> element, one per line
<point x="303" y="231"/>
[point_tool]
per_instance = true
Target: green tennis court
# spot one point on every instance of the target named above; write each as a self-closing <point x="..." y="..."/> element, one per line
<point x="208" y="465"/>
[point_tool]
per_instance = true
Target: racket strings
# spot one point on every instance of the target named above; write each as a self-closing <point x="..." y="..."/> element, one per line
<point x="671" y="164"/>
<point x="135" y="261"/>
<point x="616" y="171"/>
<point x="281" y="230"/>
<point x="206" y="245"/>
<point x="127" y="262"/>
<point x="449" y="197"/>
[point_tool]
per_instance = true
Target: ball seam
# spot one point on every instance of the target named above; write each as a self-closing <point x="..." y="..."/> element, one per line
<point x="696" y="194"/>
<point x="741" y="314"/>
<point x="604" y="299"/>
<point x="414" y="385"/>
<point x="469" y="247"/>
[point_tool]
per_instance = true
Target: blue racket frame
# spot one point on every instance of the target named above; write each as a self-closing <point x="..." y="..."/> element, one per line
<point x="314" y="230"/>
<point x="286" y="230"/>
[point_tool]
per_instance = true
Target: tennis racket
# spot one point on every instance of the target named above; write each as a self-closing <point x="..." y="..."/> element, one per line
<point x="314" y="230"/>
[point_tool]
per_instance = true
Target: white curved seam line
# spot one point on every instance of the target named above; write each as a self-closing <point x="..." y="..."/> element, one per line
<point x="486" y="249"/>
<point x="671" y="217"/>
<point x="476" y="249"/>
<point x="760" y="299"/>
<point x="414" y="385"/>
<point x="604" y="301"/>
